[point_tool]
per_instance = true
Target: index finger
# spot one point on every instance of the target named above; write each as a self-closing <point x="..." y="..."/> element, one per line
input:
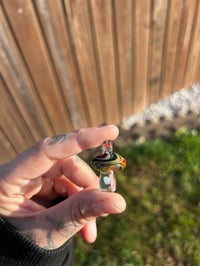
<point x="65" y="145"/>
<point x="41" y="157"/>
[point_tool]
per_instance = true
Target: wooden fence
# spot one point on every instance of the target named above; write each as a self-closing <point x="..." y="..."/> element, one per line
<point x="67" y="64"/>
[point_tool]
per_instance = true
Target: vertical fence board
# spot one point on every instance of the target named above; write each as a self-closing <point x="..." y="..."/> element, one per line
<point x="158" y="33"/>
<point x="196" y="77"/>
<point x="52" y="16"/>
<point x="170" y="46"/>
<point x="193" y="56"/>
<point x="124" y="43"/>
<point x="19" y="84"/>
<point x="7" y="152"/>
<point x="77" y="12"/>
<point x="142" y="31"/>
<point x="31" y="42"/>
<point x="14" y="131"/>
<point x="103" y="24"/>
<point x="183" y="46"/>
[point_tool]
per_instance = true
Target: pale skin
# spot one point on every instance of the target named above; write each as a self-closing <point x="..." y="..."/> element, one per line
<point x="31" y="184"/>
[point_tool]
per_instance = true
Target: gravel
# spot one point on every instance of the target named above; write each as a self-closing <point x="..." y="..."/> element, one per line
<point x="181" y="109"/>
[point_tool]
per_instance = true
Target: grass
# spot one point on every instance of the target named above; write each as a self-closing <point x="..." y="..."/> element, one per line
<point x="161" y="185"/>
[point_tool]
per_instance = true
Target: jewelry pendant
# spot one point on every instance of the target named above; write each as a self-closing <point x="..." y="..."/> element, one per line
<point x="107" y="162"/>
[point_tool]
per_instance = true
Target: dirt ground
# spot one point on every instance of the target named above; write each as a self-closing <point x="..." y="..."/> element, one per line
<point x="161" y="128"/>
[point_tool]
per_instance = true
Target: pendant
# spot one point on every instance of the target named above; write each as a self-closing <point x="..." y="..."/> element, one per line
<point x="107" y="162"/>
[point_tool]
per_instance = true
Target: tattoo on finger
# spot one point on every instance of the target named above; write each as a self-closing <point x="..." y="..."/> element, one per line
<point x="50" y="242"/>
<point x="58" y="139"/>
<point x="64" y="230"/>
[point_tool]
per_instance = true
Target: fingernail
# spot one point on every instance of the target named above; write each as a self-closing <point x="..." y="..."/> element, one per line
<point x="93" y="228"/>
<point x="99" y="208"/>
<point x="104" y="207"/>
<point x="117" y="208"/>
<point x="108" y="126"/>
<point x="103" y="125"/>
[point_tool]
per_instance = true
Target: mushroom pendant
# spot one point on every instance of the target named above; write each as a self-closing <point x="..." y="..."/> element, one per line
<point x="107" y="162"/>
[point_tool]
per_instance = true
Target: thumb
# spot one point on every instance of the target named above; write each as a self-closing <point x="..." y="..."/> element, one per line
<point x="70" y="216"/>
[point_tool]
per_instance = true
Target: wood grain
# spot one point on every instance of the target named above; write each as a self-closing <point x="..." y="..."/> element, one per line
<point x="32" y="44"/>
<point x="102" y="13"/>
<point x="142" y="57"/>
<point x="79" y="63"/>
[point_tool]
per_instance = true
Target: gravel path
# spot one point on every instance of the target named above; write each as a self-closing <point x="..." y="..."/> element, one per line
<point x="162" y="118"/>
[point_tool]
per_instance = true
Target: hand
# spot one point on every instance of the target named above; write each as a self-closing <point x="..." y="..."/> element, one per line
<point x="32" y="184"/>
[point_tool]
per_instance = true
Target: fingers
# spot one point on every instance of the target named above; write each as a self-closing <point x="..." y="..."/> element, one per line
<point x="42" y="156"/>
<point x="89" y="232"/>
<point x="65" y="145"/>
<point x="79" y="172"/>
<point x="75" y="169"/>
<point x="54" y="226"/>
<point x="79" y="211"/>
<point x="67" y="177"/>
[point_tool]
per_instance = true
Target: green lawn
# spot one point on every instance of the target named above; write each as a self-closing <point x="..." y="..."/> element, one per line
<point x="161" y="225"/>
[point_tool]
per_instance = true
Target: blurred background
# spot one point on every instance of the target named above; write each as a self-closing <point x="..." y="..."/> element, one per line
<point x="67" y="64"/>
